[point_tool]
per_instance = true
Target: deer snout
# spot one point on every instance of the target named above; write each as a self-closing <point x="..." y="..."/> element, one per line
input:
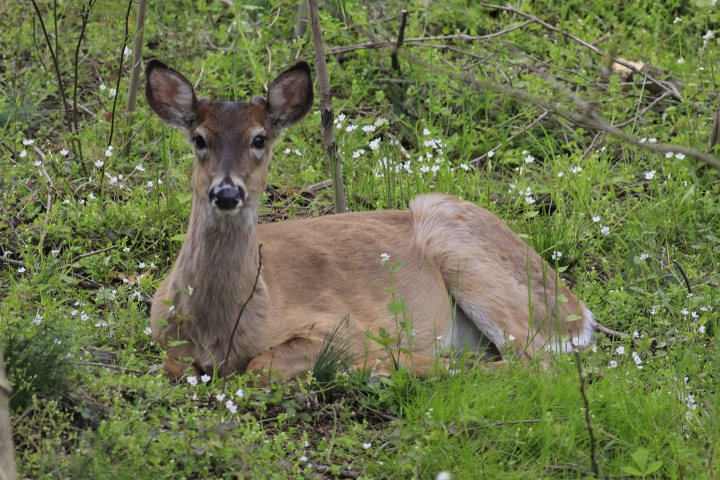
<point x="227" y="197"/>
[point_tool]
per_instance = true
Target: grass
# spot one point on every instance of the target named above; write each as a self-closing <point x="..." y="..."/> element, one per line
<point x="634" y="232"/>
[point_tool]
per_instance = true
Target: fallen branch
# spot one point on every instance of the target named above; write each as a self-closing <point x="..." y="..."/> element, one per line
<point x="90" y="254"/>
<point x="398" y="43"/>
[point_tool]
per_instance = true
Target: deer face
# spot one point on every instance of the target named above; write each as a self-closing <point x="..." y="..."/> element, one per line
<point x="232" y="140"/>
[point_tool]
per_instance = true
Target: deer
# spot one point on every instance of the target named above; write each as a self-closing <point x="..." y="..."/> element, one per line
<point x="270" y="294"/>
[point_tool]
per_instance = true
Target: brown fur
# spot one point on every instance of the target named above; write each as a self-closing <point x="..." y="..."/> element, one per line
<point x="317" y="272"/>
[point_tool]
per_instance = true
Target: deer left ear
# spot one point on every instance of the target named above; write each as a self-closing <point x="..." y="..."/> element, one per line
<point x="290" y="96"/>
<point x="170" y="95"/>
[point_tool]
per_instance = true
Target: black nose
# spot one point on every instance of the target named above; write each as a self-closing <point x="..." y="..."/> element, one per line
<point x="227" y="195"/>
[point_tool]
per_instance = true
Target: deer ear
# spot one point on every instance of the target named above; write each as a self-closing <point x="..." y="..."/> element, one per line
<point x="169" y="94"/>
<point x="290" y="96"/>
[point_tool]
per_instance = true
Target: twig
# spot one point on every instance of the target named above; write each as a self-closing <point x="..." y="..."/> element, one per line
<point x="319" y="186"/>
<point x="340" y="474"/>
<point x="716" y="126"/>
<point x="593" y="460"/>
<point x="590" y="117"/>
<point x="684" y="275"/>
<point x="90" y="254"/>
<point x="398" y="43"/>
<point x="512" y="137"/>
<point x="644" y="110"/>
<point x="135" y="70"/>
<point x="611" y="333"/>
<point x="14" y="263"/>
<point x="326" y="109"/>
<point x="83" y="108"/>
<point x="663" y="85"/>
<point x="112" y="367"/>
<point x="85" y="14"/>
<point x="242" y="309"/>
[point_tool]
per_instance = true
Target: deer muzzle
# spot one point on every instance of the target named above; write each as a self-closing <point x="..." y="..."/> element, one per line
<point x="227" y="197"/>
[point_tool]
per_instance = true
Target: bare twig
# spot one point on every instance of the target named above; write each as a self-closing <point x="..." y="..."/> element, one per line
<point x="667" y="86"/>
<point x="85" y="15"/>
<point x="90" y="254"/>
<point x="14" y="263"/>
<point x="242" y="309"/>
<point x="716" y="126"/>
<point x="112" y="367"/>
<point x="593" y="460"/>
<point x="340" y="474"/>
<point x="326" y="109"/>
<point x="476" y="161"/>
<point x="684" y="275"/>
<point x="644" y="110"/>
<point x="611" y="333"/>
<point x="135" y="70"/>
<point x="319" y="186"/>
<point x="398" y="43"/>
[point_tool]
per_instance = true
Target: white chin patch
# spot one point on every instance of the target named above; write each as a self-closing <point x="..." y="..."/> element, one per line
<point x="226" y="212"/>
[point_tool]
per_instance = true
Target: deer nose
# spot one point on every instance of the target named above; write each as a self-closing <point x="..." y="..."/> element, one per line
<point x="227" y="195"/>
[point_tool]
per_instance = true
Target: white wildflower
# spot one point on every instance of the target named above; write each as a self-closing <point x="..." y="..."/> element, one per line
<point x="192" y="380"/>
<point x="139" y="167"/>
<point x="605" y="230"/>
<point x="205" y="378"/>
<point x="620" y="350"/>
<point x="679" y="156"/>
<point x="529" y="159"/>
<point x="649" y="175"/>
<point x="64" y="152"/>
<point x="368" y="128"/>
<point x="613" y="364"/>
<point x="556" y="255"/>
<point x="148" y="330"/>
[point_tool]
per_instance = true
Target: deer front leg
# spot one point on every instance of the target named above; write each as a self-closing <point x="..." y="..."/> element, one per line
<point x="284" y="362"/>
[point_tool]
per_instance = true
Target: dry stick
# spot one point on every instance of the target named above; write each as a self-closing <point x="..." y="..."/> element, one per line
<point x="611" y="333"/>
<point x="593" y="460"/>
<point x="112" y="367"/>
<point x="644" y="110"/>
<point x="8" y="469"/>
<point x="684" y="275"/>
<point x="135" y="72"/>
<point x="85" y="15"/>
<point x="14" y="263"/>
<point x="512" y="137"/>
<point x="61" y="87"/>
<point x="326" y="110"/>
<point x="664" y="85"/>
<point x="398" y="43"/>
<point x="90" y="254"/>
<point x="591" y="117"/>
<point x="716" y="126"/>
<point x="242" y="309"/>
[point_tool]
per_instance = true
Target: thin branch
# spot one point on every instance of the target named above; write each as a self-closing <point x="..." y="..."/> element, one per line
<point x="242" y="309"/>
<point x="112" y="367"/>
<point x="644" y="110"/>
<point x="667" y="86"/>
<point x="716" y="126"/>
<point x="512" y="137"/>
<point x="611" y="333"/>
<point x="684" y="275"/>
<point x="398" y="43"/>
<point x="326" y="109"/>
<point x="90" y="254"/>
<point x="593" y="460"/>
<point x="14" y="263"/>
<point x="135" y="70"/>
<point x="85" y="15"/>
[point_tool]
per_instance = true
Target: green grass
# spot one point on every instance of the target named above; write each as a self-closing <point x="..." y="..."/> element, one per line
<point x="626" y="238"/>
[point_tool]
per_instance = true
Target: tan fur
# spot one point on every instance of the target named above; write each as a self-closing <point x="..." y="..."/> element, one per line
<point x="317" y="272"/>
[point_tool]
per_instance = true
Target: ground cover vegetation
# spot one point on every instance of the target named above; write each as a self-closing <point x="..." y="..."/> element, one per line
<point x="87" y="232"/>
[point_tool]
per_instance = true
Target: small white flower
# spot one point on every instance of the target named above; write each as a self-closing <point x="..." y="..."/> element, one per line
<point x="21" y="270"/>
<point x="54" y="252"/>
<point x="74" y="312"/>
<point x="575" y="169"/>
<point x="230" y="405"/>
<point x="127" y="51"/>
<point x="511" y="337"/>
<point x="560" y="174"/>
<point x="91" y="196"/>
<point x="37" y="163"/>
<point x="30" y="141"/>
<point x="435" y="168"/>
<point x="240" y="393"/>
<point x="620" y="350"/>
<point x="303" y="458"/>
<point x="465" y="167"/>
<point x="677" y="20"/>
<point x="192" y="380"/>
<point x="205" y="378"/>
<point x="643" y="140"/>
<point x="613" y="364"/>
<point x="679" y="156"/>
<point x="529" y="159"/>
<point x="681" y="60"/>
<point x="367" y="445"/>
<point x="126" y="249"/>
<point x="101" y="324"/>
<point x="652" y="140"/>
<point x="529" y="200"/>
<point x="190" y="290"/>
<point x="350" y="128"/>
<point x="84" y="316"/>
<point x="384" y="258"/>
<point x="112" y="92"/>
<point x="652" y="311"/>
<point x="426" y="131"/>
<point x="113" y="179"/>
<point x="649" y="175"/>
<point x="23" y="154"/>
<point x="443" y="476"/>
<point x="339" y="118"/>
<point x="220" y="397"/>
<point x="424" y="169"/>
<point x="684" y="311"/>
<point x="38" y="319"/>
<point x="636" y="358"/>
<point x="148" y="330"/>
<point x="358" y="153"/>
<point x="596" y="218"/>
<point x="701" y="329"/>
<point x="139" y="167"/>
<point x="150" y="184"/>
<point x="694" y="315"/>
<point x="102" y="86"/>
<point x="99" y="163"/>
<point x="286" y="151"/>
<point x="644" y="256"/>
<point x="368" y="128"/>
<point x="556" y="255"/>
<point x="57" y="341"/>
<point x="374" y="144"/>
<point x="605" y="230"/>
<point x="491" y="153"/>
<point x="64" y="152"/>
<point x="141" y="264"/>
<point x="708" y="35"/>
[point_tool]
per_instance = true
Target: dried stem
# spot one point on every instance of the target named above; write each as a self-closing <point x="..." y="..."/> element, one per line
<point x="398" y="43"/>
<point x="242" y="309"/>
<point x="326" y="109"/>
<point x="135" y="70"/>
<point x="684" y="275"/>
<point x="85" y="16"/>
<point x="593" y="460"/>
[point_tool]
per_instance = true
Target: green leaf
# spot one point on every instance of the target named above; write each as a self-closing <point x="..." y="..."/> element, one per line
<point x="654" y="466"/>
<point x="641" y="457"/>
<point x="397" y="307"/>
<point x="184" y="197"/>
<point x="381" y="341"/>
<point x="573" y="318"/>
<point x="161" y="321"/>
<point x="633" y="471"/>
<point x="396" y="266"/>
<point x="176" y="343"/>
<point x="562" y="298"/>
<point x="180" y="237"/>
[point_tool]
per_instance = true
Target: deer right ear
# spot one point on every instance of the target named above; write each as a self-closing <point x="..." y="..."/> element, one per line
<point x="290" y="96"/>
<point x="169" y="94"/>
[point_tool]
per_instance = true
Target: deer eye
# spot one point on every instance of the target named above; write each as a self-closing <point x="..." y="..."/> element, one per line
<point x="199" y="142"/>
<point x="259" y="141"/>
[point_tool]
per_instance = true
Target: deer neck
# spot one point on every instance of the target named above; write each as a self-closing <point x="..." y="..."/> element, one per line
<point x="218" y="264"/>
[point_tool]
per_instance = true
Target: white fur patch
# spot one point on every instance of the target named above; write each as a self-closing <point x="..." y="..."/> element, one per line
<point x="585" y="338"/>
